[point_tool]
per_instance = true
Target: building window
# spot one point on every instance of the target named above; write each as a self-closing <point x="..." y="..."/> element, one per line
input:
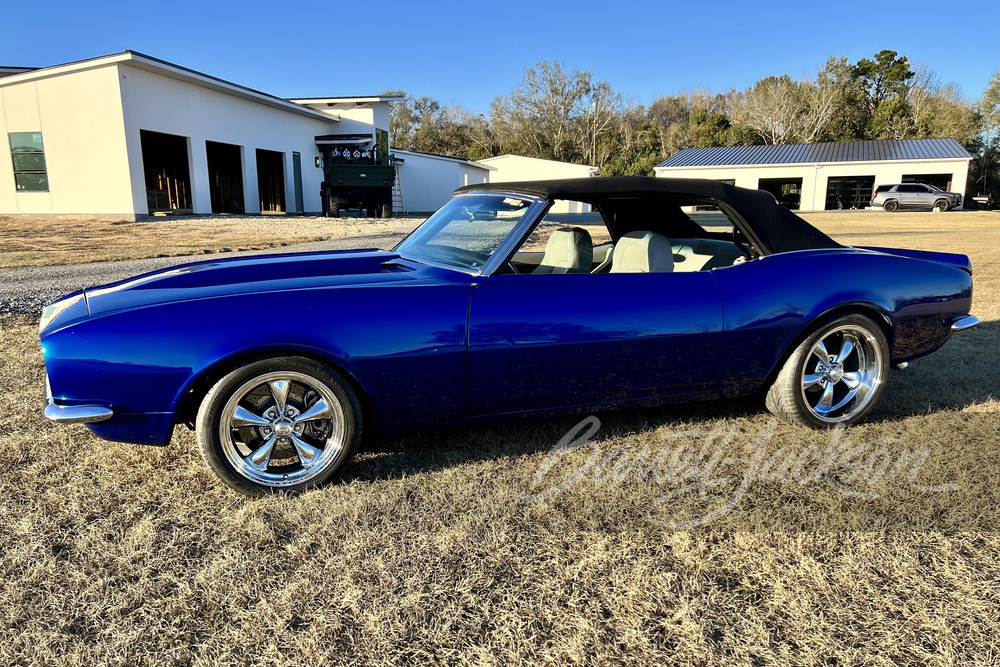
<point x="29" y="162"/>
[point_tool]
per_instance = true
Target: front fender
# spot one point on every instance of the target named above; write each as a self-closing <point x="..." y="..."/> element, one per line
<point x="405" y="345"/>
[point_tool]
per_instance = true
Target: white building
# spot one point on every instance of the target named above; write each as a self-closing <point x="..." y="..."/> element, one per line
<point x="426" y="181"/>
<point x="128" y="135"/>
<point x="814" y="177"/>
<point x="520" y="168"/>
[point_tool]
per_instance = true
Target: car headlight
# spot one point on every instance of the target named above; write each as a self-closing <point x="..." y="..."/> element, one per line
<point x="54" y="310"/>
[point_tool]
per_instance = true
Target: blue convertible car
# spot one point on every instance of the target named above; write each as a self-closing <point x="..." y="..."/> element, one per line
<point x="515" y="298"/>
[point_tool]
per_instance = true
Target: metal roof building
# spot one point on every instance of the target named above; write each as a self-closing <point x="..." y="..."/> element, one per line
<point x="835" y="175"/>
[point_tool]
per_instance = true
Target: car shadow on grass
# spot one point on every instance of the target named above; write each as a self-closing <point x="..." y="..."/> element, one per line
<point x="925" y="459"/>
<point x="952" y="379"/>
<point x="956" y="377"/>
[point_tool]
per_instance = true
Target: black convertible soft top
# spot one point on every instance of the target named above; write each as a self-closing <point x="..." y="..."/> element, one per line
<point x="626" y="200"/>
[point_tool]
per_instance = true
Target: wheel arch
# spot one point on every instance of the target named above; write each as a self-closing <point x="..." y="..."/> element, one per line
<point x="871" y="310"/>
<point x="189" y="398"/>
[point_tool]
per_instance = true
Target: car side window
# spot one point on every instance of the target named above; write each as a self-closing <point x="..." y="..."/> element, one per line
<point x="569" y="239"/>
<point x="670" y="236"/>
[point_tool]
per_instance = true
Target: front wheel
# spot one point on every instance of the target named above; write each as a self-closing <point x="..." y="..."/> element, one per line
<point x="835" y="376"/>
<point x="942" y="205"/>
<point x="280" y="424"/>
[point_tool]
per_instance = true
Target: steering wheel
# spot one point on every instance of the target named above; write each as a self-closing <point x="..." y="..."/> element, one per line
<point x="513" y="269"/>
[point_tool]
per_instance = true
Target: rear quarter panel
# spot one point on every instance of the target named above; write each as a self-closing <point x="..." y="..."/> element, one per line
<point x="769" y="304"/>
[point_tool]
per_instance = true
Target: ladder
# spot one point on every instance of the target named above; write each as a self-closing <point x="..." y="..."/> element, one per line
<point x="397" y="192"/>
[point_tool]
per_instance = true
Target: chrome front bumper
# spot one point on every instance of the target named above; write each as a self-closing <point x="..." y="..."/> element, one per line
<point x="964" y="322"/>
<point x="74" y="414"/>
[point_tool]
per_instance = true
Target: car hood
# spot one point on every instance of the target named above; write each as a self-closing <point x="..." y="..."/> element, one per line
<point x="266" y="273"/>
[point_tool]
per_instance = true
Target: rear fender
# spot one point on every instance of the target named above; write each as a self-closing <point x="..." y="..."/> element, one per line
<point x="951" y="259"/>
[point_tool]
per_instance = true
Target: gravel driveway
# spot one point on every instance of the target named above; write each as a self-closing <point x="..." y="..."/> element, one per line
<point x="25" y="291"/>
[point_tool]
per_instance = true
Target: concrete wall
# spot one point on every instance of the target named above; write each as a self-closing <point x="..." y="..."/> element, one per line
<point x="83" y="134"/>
<point x="162" y="104"/>
<point x="355" y="119"/>
<point x="428" y="181"/>
<point x="520" y="168"/>
<point x="472" y="175"/>
<point x="815" y="176"/>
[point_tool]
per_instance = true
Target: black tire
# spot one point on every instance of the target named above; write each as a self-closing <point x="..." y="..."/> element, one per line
<point x="385" y="210"/>
<point x="803" y="380"/>
<point x="942" y="204"/>
<point x="334" y="210"/>
<point x="237" y="422"/>
<point x="891" y="206"/>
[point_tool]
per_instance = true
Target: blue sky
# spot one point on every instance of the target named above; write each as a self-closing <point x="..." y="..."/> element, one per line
<point x="468" y="53"/>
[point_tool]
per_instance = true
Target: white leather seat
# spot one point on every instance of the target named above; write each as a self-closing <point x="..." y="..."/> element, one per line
<point x="703" y="254"/>
<point x="608" y="251"/>
<point x="568" y="250"/>
<point x="643" y="252"/>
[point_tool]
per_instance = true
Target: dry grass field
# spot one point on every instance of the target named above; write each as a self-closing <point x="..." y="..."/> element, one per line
<point x="434" y="550"/>
<point x="33" y="243"/>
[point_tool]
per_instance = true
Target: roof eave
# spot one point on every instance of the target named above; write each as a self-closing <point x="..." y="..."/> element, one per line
<point x="445" y="158"/>
<point x="162" y="67"/>
<point x="333" y="101"/>
<point x="810" y="164"/>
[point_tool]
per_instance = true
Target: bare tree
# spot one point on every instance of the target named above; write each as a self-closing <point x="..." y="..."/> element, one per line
<point x="541" y="114"/>
<point x="603" y="108"/>
<point x="774" y="108"/>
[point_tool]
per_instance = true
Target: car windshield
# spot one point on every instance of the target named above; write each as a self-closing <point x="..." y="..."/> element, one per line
<point x="934" y="188"/>
<point x="466" y="231"/>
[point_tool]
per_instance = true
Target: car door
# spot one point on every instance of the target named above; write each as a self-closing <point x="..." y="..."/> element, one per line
<point x="909" y="196"/>
<point x="904" y="195"/>
<point x="544" y="341"/>
<point x="923" y="197"/>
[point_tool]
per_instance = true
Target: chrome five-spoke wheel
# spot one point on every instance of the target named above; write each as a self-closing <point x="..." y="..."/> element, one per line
<point x="842" y="373"/>
<point x="835" y="376"/>
<point x="281" y="424"/>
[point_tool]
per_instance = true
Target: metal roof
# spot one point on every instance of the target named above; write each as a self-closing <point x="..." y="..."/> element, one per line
<point x="854" y="151"/>
<point x="435" y="156"/>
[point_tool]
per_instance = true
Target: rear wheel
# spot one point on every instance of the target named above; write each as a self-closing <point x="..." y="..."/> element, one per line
<point x="334" y="209"/>
<point x="281" y="424"/>
<point x="835" y="376"/>
<point x="384" y="211"/>
<point x="942" y="204"/>
<point x="891" y="205"/>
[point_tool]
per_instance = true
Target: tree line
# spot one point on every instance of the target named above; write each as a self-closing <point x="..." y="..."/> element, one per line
<point x="558" y="114"/>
